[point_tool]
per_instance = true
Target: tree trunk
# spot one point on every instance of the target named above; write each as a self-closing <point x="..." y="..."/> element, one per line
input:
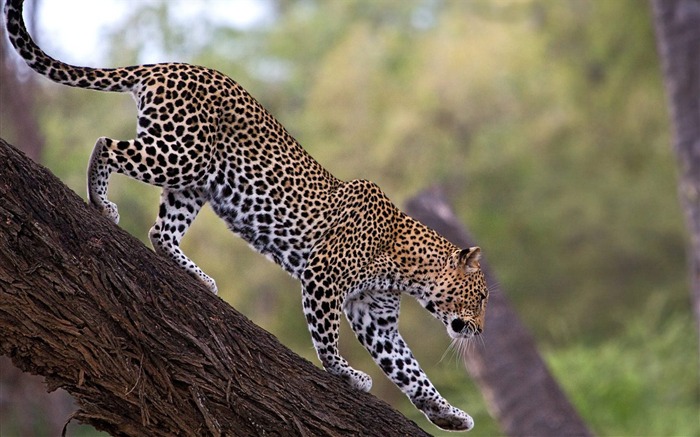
<point x="519" y="389"/>
<point x="143" y="347"/>
<point x="677" y="25"/>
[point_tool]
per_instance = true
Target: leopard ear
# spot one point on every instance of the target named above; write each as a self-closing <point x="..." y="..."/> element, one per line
<point x="469" y="258"/>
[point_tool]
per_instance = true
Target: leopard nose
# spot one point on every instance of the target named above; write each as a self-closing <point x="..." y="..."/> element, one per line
<point x="458" y="325"/>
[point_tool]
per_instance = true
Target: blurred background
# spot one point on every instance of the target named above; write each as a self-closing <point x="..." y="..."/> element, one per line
<point x="545" y="122"/>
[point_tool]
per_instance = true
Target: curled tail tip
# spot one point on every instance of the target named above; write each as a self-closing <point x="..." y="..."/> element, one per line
<point x="13" y="11"/>
<point x="17" y="31"/>
<point x="58" y="71"/>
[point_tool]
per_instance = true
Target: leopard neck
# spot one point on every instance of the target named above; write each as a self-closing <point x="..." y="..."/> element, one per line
<point x="419" y="255"/>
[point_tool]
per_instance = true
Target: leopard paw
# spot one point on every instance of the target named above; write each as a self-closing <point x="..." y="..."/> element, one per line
<point x="450" y="418"/>
<point x="355" y="378"/>
<point x="210" y="283"/>
<point x="359" y="380"/>
<point x="109" y="210"/>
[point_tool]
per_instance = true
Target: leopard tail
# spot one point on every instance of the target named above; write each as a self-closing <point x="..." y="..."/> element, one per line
<point x="103" y="79"/>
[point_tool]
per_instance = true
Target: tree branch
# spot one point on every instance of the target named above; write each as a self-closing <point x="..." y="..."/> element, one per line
<point x="144" y="348"/>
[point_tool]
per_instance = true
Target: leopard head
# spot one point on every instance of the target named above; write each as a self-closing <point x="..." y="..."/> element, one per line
<point x="458" y="294"/>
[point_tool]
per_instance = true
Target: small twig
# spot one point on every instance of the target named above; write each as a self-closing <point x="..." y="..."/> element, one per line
<point x="138" y="377"/>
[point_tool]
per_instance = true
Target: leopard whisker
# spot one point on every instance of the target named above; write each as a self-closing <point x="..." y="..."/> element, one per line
<point x="482" y="340"/>
<point x="451" y="348"/>
<point x="468" y="347"/>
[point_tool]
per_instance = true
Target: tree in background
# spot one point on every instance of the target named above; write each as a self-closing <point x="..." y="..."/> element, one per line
<point x="678" y="35"/>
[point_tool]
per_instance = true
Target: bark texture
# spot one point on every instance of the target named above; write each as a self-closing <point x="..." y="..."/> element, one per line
<point x="144" y="348"/>
<point x="677" y="25"/>
<point x="519" y="389"/>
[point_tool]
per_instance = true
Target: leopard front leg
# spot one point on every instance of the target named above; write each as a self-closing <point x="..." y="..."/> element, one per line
<point x="322" y="311"/>
<point x="374" y="317"/>
<point x="178" y="208"/>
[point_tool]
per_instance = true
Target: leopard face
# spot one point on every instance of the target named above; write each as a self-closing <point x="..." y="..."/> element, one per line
<point x="458" y="294"/>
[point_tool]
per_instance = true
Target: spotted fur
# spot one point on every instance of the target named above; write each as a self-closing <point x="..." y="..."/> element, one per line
<point x="203" y="138"/>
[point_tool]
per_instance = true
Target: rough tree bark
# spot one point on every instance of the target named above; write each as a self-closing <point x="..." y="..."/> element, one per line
<point x="677" y="25"/>
<point x="519" y="389"/>
<point x="144" y="348"/>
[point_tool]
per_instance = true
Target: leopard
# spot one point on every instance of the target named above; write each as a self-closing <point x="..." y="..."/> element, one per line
<point x="203" y="138"/>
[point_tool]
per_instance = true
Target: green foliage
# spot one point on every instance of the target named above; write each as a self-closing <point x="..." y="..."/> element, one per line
<point x="545" y="120"/>
<point x="643" y="382"/>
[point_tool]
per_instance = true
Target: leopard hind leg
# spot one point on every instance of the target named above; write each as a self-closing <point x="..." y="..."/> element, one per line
<point x="148" y="159"/>
<point x="102" y="163"/>
<point x="125" y="157"/>
<point x="178" y="208"/>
